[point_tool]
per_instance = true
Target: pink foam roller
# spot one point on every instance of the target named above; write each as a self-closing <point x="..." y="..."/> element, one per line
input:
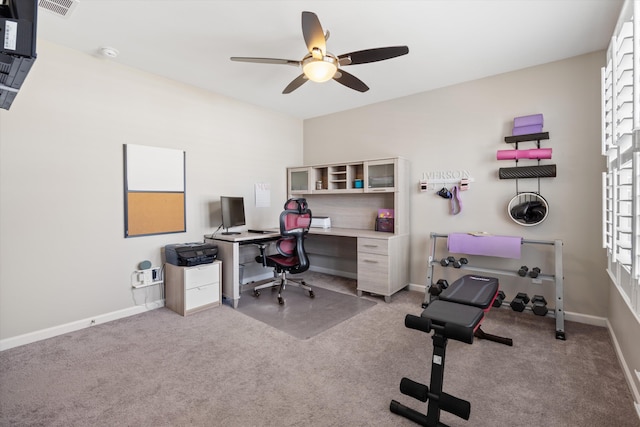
<point x="534" y="153"/>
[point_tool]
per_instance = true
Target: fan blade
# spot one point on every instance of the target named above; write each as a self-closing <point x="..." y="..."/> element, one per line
<point x="312" y="32"/>
<point x="266" y="60"/>
<point x="372" y="55"/>
<point x="351" y="81"/>
<point x="295" y="84"/>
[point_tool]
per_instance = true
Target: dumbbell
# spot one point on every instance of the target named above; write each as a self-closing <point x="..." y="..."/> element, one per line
<point x="446" y="261"/>
<point x="519" y="302"/>
<point x="460" y="262"/>
<point x="499" y="299"/>
<point x="437" y="288"/>
<point x="523" y="271"/>
<point x="535" y="271"/>
<point x="539" y="305"/>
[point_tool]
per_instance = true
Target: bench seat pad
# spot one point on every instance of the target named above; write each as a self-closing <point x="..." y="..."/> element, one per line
<point x="478" y="291"/>
<point x="443" y="312"/>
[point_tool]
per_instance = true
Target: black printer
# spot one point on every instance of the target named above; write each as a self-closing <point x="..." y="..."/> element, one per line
<point x="190" y="254"/>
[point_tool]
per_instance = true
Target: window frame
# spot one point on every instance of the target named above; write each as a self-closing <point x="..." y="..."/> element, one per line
<point x="620" y="85"/>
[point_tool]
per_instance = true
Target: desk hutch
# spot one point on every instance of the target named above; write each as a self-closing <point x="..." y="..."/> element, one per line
<point x="351" y="193"/>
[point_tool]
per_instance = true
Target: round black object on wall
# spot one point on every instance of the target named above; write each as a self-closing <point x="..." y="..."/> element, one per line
<point x="528" y="209"/>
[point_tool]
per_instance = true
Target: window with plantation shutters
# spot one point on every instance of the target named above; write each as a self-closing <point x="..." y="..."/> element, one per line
<point x="620" y="145"/>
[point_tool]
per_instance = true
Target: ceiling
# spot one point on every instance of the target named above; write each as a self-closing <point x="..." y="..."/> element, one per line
<point x="450" y="41"/>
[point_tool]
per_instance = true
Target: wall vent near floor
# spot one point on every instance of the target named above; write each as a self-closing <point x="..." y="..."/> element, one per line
<point x="62" y="8"/>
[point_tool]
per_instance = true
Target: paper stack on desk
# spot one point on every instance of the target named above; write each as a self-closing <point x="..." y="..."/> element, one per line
<point x="321" y="222"/>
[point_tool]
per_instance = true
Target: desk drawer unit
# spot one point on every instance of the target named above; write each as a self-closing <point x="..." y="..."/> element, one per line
<point x="377" y="274"/>
<point x="373" y="246"/>
<point x="192" y="289"/>
<point x="373" y="266"/>
<point x="200" y="275"/>
<point x="200" y="297"/>
<point x="373" y="273"/>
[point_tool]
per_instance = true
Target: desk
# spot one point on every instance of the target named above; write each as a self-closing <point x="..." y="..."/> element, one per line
<point x="382" y="258"/>
<point x="229" y="253"/>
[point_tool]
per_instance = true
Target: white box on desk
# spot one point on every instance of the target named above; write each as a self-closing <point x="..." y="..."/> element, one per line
<point x="321" y="222"/>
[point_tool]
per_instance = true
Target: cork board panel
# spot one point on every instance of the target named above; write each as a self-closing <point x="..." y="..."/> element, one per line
<point x="155" y="213"/>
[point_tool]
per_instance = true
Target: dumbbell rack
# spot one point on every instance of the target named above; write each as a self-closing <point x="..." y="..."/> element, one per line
<point x="557" y="277"/>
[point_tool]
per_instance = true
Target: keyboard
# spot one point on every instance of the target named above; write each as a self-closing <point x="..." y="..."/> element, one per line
<point x="261" y="231"/>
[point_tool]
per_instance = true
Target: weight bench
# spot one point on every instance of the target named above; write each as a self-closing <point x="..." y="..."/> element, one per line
<point x="455" y="314"/>
<point x="476" y="291"/>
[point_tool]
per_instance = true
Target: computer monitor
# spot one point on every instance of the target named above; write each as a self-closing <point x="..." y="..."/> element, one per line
<point x="232" y="209"/>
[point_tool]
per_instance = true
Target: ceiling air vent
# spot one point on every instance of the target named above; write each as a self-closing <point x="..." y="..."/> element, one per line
<point x="61" y="8"/>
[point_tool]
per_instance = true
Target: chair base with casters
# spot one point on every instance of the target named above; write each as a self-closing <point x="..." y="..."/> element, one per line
<point x="282" y="280"/>
<point x="281" y="285"/>
<point x="456" y="313"/>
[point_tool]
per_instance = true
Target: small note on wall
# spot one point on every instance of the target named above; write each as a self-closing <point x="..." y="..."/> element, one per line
<point x="263" y="195"/>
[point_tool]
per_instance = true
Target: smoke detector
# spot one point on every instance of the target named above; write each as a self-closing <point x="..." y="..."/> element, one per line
<point x="109" y="52"/>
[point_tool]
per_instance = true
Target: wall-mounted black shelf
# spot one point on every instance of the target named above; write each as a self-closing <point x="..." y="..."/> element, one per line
<point x="528" y="137"/>
<point x="527" y="208"/>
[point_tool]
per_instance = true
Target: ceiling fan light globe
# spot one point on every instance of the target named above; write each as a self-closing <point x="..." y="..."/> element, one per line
<point x="320" y="70"/>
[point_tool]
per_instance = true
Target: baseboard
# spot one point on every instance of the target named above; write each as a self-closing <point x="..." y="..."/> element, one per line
<point x="628" y="372"/>
<point x="586" y="319"/>
<point x="419" y="288"/>
<point x="331" y="271"/>
<point x="54" y="331"/>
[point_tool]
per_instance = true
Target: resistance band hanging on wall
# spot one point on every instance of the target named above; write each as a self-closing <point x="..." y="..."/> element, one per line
<point x="460" y="179"/>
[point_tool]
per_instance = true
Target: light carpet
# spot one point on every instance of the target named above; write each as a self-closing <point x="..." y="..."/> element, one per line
<point x="220" y="367"/>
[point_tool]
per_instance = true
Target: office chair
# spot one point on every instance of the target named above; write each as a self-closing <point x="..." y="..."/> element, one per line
<point x="291" y="258"/>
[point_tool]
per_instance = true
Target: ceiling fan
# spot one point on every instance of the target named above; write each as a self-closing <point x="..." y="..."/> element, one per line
<point x="320" y="66"/>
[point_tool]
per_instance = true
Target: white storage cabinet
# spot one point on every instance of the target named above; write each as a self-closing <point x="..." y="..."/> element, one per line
<point x="192" y="289"/>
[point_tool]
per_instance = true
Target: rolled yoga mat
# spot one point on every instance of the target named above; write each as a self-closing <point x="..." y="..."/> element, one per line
<point x="498" y="246"/>
<point x="544" y="171"/>
<point x="534" y="153"/>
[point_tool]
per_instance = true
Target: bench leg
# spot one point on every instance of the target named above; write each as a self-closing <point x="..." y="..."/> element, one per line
<point x="436" y="399"/>
<point x="479" y="333"/>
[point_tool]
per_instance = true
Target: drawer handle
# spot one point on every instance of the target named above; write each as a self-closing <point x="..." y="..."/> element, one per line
<point x="370" y="246"/>
<point x="370" y="261"/>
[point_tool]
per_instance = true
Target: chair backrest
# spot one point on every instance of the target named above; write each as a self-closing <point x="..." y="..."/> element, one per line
<point x="295" y="221"/>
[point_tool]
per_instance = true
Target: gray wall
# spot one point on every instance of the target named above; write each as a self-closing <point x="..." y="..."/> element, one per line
<point x="460" y="128"/>
<point x="64" y="257"/>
